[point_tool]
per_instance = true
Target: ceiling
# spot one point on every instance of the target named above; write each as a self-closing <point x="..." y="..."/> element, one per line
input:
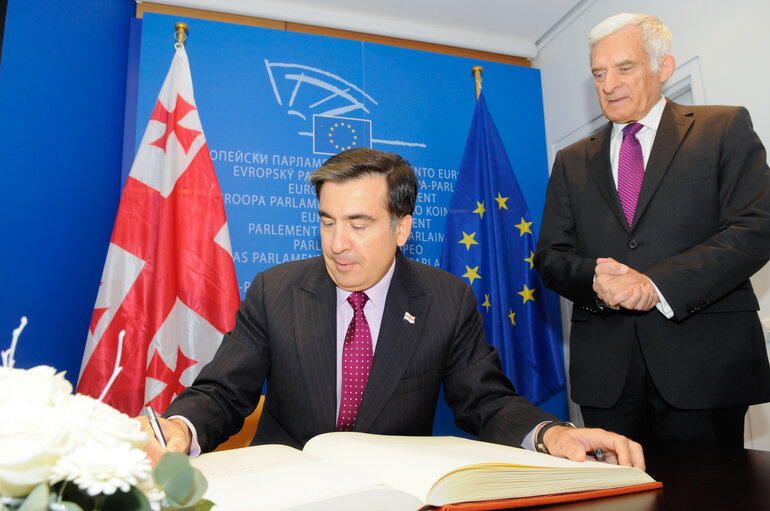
<point x="509" y="27"/>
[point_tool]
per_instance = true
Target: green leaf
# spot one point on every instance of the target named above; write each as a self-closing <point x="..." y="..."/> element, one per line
<point x="182" y="484"/>
<point x="200" y="485"/>
<point x="203" y="505"/>
<point x="174" y="475"/>
<point x="37" y="500"/>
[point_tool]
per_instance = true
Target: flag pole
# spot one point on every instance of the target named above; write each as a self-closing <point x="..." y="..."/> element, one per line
<point x="477" y="74"/>
<point x="180" y="36"/>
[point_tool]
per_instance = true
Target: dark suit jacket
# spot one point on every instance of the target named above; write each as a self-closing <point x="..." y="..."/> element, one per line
<point x="701" y="229"/>
<point x="285" y="332"/>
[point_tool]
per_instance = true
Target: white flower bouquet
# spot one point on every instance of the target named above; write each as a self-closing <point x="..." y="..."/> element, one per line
<point x="65" y="451"/>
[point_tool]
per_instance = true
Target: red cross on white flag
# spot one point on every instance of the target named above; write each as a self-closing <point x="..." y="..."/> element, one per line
<point x="169" y="279"/>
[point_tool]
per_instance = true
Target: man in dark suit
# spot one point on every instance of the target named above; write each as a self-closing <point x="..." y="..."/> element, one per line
<point x="295" y="329"/>
<point x="665" y="340"/>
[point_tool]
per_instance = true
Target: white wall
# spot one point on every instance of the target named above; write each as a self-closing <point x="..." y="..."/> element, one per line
<point x="731" y="42"/>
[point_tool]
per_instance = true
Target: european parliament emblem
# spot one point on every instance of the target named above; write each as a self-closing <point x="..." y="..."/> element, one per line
<point x="305" y="89"/>
<point x="332" y="135"/>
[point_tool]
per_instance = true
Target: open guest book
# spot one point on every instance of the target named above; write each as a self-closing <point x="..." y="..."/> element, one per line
<point x="341" y="471"/>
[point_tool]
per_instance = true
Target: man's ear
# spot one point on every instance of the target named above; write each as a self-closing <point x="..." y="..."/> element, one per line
<point x="667" y="67"/>
<point x="403" y="229"/>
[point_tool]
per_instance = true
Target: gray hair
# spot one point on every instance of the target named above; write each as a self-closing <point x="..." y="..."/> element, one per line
<point x="657" y="38"/>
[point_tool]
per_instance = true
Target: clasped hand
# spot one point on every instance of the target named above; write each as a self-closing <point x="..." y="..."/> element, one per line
<point x="617" y="285"/>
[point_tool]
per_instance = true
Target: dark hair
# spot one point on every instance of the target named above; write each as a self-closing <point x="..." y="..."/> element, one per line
<point x="359" y="162"/>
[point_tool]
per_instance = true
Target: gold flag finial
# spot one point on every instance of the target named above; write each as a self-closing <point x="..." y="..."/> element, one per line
<point x="180" y="36"/>
<point x="477" y="74"/>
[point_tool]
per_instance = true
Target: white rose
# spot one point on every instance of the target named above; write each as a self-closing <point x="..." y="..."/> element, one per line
<point x="31" y="437"/>
<point x="42" y="421"/>
<point x="31" y="440"/>
<point x="85" y="417"/>
<point x="37" y="385"/>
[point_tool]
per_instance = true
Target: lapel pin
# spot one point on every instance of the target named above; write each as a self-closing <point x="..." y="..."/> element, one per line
<point x="408" y="317"/>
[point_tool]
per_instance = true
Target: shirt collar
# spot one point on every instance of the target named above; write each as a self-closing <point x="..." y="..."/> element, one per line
<point x="377" y="293"/>
<point x="649" y="121"/>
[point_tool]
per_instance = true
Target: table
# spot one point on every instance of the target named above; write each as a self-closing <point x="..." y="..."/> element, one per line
<point x="694" y="477"/>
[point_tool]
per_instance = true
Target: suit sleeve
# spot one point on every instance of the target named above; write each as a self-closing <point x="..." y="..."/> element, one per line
<point x="482" y="397"/>
<point x="229" y="387"/>
<point x="561" y="267"/>
<point x="740" y="246"/>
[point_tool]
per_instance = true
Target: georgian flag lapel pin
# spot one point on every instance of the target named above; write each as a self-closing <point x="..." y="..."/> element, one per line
<point x="408" y="317"/>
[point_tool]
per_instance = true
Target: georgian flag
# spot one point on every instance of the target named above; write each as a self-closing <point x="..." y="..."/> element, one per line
<point x="169" y="279"/>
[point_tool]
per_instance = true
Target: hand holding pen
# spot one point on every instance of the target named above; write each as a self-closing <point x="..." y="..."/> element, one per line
<point x="155" y="426"/>
<point x="172" y="435"/>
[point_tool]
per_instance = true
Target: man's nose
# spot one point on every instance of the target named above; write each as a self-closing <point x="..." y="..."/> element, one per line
<point x="340" y="239"/>
<point x="610" y="82"/>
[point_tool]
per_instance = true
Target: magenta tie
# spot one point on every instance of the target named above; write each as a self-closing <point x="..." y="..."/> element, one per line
<point x="630" y="170"/>
<point x="356" y="362"/>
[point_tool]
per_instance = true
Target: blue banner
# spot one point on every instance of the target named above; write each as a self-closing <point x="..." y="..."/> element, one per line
<point x="268" y="100"/>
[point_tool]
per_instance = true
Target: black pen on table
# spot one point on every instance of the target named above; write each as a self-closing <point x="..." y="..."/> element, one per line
<point x="155" y="425"/>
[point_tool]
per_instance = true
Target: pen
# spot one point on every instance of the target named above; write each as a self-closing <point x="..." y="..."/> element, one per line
<point x="155" y="425"/>
<point x="599" y="455"/>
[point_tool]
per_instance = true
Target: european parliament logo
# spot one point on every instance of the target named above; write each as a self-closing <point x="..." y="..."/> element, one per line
<point x="304" y="90"/>
<point x="334" y="134"/>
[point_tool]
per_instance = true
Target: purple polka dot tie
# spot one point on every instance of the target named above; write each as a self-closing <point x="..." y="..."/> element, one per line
<point x="630" y="170"/>
<point x="356" y="362"/>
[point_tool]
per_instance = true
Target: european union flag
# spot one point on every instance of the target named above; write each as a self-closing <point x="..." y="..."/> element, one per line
<point x="489" y="242"/>
<point x="332" y="135"/>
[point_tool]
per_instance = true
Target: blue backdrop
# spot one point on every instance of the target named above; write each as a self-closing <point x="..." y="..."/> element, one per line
<point x="275" y="104"/>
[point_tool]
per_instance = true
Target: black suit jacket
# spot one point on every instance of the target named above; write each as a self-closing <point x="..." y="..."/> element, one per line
<point x="701" y="229"/>
<point x="285" y="334"/>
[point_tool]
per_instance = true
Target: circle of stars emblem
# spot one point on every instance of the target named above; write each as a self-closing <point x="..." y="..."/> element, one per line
<point x="343" y="130"/>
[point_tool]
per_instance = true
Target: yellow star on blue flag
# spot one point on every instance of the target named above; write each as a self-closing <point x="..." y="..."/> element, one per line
<point x="480" y="209"/>
<point x="527" y="294"/>
<point x="486" y="303"/>
<point x="501" y="201"/>
<point x="471" y="273"/>
<point x="531" y="259"/>
<point x="524" y="227"/>
<point x="468" y="240"/>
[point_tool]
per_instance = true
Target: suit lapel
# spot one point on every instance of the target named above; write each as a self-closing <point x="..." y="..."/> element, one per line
<point x="397" y="341"/>
<point x="315" y="332"/>
<point x="598" y="157"/>
<point x="674" y="124"/>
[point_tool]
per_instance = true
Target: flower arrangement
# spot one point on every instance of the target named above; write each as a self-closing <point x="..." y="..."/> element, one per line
<point x="70" y="452"/>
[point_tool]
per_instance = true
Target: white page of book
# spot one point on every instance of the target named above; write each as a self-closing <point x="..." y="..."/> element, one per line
<point x="415" y="464"/>
<point x="278" y="477"/>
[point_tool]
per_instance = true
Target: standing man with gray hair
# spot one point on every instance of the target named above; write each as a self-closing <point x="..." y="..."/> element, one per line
<point x="653" y="227"/>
